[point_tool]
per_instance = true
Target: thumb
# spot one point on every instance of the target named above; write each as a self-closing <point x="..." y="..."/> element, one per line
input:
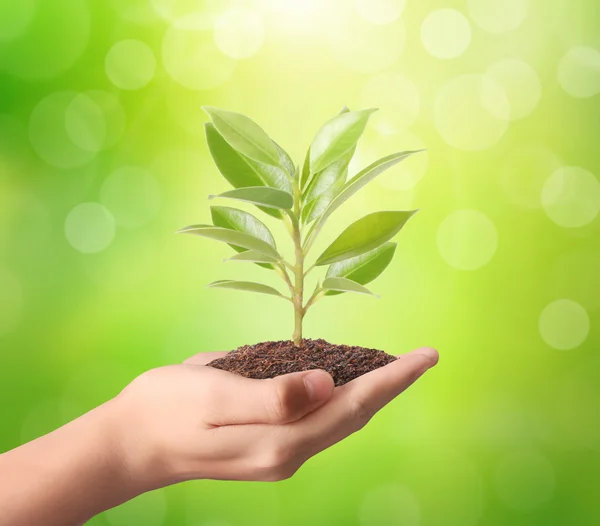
<point x="279" y="400"/>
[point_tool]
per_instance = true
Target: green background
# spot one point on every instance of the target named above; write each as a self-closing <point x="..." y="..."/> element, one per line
<point x="500" y="270"/>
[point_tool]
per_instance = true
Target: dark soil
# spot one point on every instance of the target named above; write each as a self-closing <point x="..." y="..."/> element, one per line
<point x="271" y="359"/>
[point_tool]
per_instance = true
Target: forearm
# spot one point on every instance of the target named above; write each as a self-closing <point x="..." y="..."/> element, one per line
<point x="68" y="476"/>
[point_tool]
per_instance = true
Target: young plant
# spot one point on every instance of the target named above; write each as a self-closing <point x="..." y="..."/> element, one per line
<point x="263" y="174"/>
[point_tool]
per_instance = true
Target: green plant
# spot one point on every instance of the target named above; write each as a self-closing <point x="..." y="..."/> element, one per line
<point x="263" y="174"/>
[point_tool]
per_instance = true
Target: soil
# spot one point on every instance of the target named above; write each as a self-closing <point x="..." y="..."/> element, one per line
<point x="270" y="359"/>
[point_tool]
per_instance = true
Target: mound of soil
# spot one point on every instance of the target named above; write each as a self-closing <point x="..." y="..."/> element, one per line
<point x="271" y="359"/>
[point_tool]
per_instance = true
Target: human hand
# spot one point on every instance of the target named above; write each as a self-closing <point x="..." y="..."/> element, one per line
<point x="190" y="421"/>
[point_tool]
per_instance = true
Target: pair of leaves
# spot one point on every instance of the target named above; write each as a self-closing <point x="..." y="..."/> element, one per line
<point x="246" y="156"/>
<point x="248" y="236"/>
<point x="361" y="179"/>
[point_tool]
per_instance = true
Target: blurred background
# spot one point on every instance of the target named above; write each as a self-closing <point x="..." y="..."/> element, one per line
<point x="102" y="159"/>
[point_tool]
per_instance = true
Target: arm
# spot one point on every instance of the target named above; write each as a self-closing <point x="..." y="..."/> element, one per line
<point x="68" y="476"/>
<point x="187" y="422"/>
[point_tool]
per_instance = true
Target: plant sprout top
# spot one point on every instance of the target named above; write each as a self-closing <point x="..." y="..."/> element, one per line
<point x="263" y="174"/>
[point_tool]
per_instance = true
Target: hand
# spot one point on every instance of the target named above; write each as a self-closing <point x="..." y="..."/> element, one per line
<point x="190" y="421"/>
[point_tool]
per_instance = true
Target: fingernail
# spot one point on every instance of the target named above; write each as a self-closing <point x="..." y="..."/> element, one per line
<point x="314" y="384"/>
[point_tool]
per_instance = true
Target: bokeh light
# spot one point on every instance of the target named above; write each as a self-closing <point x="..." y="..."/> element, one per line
<point x="467" y="239"/>
<point x="521" y="85"/>
<point x="15" y="17"/>
<point x="90" y="228"/>
<point x="85" y="124"/>
<point x="371" y="49"/>
<point x="564" y="324"/>
<point x="239" y="33"/>
<point x="579" y="72"/>
<point x="471" y="112"/>
<point x="193" y="59"/>
<point x="498" y="17"/>
<point x="130" y="64"/>
<point x="571" y="197"/>
<point x="446" y="33"/>
<point x="48" y="130"/>
<point x="380" y="12"/>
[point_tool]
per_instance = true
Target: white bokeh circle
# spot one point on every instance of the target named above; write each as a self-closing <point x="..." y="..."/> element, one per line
<point x="579" y="72"/>
<point x="564" y="324"/>
<point x="239" y="33"/>
<point x="520" y="83"/>
<point x="15" y="16"/>
<point x="446" y="33"/>
<point x="524" y="480"/>
<point x="130" y="64"/>
<point x="11" y="306"/>
<point x="524" y="171"/>
<point x="571" y="197"/>
<point x="192" y="58"/>
<point x="363" y="47"/>
<point x="113" y="113"/>
<point x="498" y="17"/>
<point x="132" y="195"/>
<point x="90" y="228"/>
<point x="149" y="509"/>
<point x="380" y="12"/>
<point x="471" y="112"/>
<point x="85" y="124"/>
<point x="49" y="136"/>
<point x="390" y="505"/>
<point x="467" y="239"/>
<point x="397" y="98"/>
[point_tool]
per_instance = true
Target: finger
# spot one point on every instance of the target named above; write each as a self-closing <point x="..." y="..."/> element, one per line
<point x="280" y="400"/>
<point x="353" y="404"/>
<point x="204" y="357"/>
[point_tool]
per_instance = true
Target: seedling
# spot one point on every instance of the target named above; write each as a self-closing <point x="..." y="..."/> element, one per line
<point x="263" y="174"/>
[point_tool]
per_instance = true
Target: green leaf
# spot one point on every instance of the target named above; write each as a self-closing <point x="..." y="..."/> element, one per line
<point x="364" y="268"/>
<point x="226" y="217"/>
<point x="359" y="181"/>
<point x="305" y="170"/>
<point x="364" y="235"/>
<point x="261" y="195"/>
<point x="323" y="180"/>
<point x="232" y="237"/>
<point x="254" y="257"/>
<point x="336" y="137"/>
<point x="248" y="286"/>
<point x="230" y="163"/>
<point x="286" y="161"/>
<point x="244" y="135"/>
<point x="317" y="206"/>
<point x="240" y="171"/>
<point x="345" y="285"/>
<point x="273" y="176"/>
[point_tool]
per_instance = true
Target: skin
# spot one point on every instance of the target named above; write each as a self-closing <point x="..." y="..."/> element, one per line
<point x="185" y="422"/>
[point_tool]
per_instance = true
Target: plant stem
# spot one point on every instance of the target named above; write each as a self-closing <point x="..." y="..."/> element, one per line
<point x="298" y="292"/>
